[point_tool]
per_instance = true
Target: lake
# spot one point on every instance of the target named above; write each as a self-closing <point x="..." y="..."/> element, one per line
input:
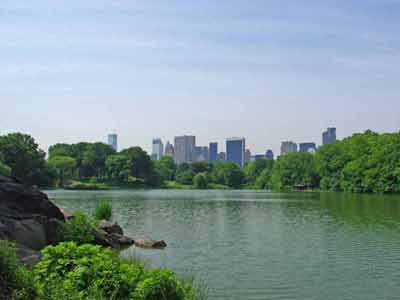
<point x="250" y="245"/>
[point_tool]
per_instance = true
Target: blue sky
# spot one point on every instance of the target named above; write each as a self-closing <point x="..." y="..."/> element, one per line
<point x="267" y="70"/>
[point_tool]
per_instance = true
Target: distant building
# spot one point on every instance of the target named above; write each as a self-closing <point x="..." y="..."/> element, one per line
<point x="184" y="149"/>
<point x="158" y="149"/>
<point x="113" y="141"/>
<point x="288" y="147"/>
<point x="307" y="147"/>
<point x="201" y="153"/>
<point x="213" y="151"/>
<point x="269" y="154"/>
<point x="169" y="150"/>
<point x="222" y="156"/>
<point x="247" y="156"/>
<point x="235" y="150"/>
<point x="329" y="136"/>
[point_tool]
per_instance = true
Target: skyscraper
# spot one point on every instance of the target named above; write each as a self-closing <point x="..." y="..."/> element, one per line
<point x="222" y="156"/>
<point x="184" y="149"/>
<point x="201" y="153"/>
<point x="329" y="136"/>
<point x="158" y="149"/>
<point x="235" y="149"/>
<point x="113" y="141"/>
<point x="307" y="147"/>
<point x="288" y="147"/>
<point x="169" y="149"/>
<point x="269" y="154"/>
<point x="213" y="151"/>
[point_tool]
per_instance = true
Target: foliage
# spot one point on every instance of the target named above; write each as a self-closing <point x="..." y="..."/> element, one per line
<point x="64" y="166"/>
<point x="103" y="211"/>
<point x="82" y="186"/>
<point x="184" y="174"/>
<point x="227" y="173"/>
<point x="294" y="169"/>
<point x="177" y="186"/>
<point x="21" y="153"/>
<point x="69" y="271"/>
<point x="263" y="181"/>
<point x="79" y="230"/>
<point x="16" y="282"/>
<point x="4" y="169"/>
<point x="118" y="168"/>
<point x="200" y="181"/>
<point x="166" y="168"/>
<point x="254" y="169"/>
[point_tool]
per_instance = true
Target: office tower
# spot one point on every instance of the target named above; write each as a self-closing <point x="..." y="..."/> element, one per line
<point x="257" y="157"/>
<point x="169" y="150"/>
<point x="113" y="141"/>
<point x="288" y="147"/>
<point x="158" y="149"/>
<point x="222" y="156"/>
<point x="329" y="136"/>
<point x="201" y="153"/>
<point x="184" y="149"/>
<point x="269" y="154"/>
<point x="247" y="156"/>
<point x="213" y="151"/>
<point x="307" y="147"/>
<point x="235" y="150"/>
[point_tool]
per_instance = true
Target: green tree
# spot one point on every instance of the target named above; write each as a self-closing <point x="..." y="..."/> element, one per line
<point x="294" y="169"/>
<point x="254" y="169"/>
<point x="4" y="169"/>
<point x="21" y="153"/>
<point x="200" y="181"/>
<point x="227" y="173"/>
<point x="118" y="168"/>
<point x="166" y="168"/>
<point x="64" y="166"/>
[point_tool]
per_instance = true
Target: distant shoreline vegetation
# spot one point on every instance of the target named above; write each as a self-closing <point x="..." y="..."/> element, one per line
<point x="363" y="163"/>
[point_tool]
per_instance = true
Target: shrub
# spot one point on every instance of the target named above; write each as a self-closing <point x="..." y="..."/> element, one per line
<point x="103" y="211"/>
<point x="159" y="285"/>
<point x="79" y="230"/>
<point x="200" y="181"/>
<point x="16" y="282"/>
<point x="4" y="169"/>
<point x="81" y="186"/>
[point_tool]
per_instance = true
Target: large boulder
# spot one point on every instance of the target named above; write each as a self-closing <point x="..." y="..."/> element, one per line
<point x="26" y="215"/>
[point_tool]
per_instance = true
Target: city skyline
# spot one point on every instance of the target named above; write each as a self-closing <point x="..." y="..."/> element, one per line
<point x="268" y="71"/>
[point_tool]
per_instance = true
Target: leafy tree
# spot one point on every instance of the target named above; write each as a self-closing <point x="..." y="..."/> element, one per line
<point x="118" y="168"/>
<point x="21" y="153"/>
<point x="64" y="166"/>
<point x="227" y="173"/>
<point x="254" y="169"/>
<point x="200" y="167"/>
<point x="294" y="169"/>
<point x="166" y="168"/>
<point x="263" y="180"/>
<point x="200" y="181"/>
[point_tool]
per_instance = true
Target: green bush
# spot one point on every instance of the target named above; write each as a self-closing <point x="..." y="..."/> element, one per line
<point x="4" y="169"/>
<point x="69" y="271"/>
<point x="200" y="181"/>
<point x="16" y="282"/>
<point x="103" y="211"/>
<point x="159" y="285"/>
<point x="79" y="230"/>
<point x="82" y="186"/>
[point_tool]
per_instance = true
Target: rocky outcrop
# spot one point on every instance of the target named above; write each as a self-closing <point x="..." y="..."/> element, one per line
<point x="111" y="235"/>
<point x="150" y="244"/>
<point x="111" y="228"/>
<point x="26" y="215"/>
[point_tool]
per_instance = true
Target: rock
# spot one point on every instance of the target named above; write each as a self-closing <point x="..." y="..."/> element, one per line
<point x="110" y="227"/>
<point x="26" y="215"/>
<point x="27" y="256"/>
<point x="150" y="244"/>
<point x="113" y="240"/>
<point x="67" y="216"/>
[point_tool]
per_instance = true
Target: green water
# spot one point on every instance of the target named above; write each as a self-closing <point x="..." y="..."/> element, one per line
<point x="257" y="245"/>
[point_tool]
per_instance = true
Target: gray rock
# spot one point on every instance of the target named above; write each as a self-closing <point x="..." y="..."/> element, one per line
<point x="112" y="240"/>
<point x="110" y="227"/>
<point x="150" y="244"/>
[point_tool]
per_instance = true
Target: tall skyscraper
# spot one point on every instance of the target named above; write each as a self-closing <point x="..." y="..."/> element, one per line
<point x="158" y="149"/>
<point x="169" y="150"/>
<point x="307" y="147"/>
<point x="235" y="150"/>
<point x="329" y="136"/>
<point x="269" y="154"/>
<point x="184" y="149"/>
<point x="288" y="147"/>
<point x="213" y="151"/>
<point x="201" y="153"/>
<point x="113" y="141"/>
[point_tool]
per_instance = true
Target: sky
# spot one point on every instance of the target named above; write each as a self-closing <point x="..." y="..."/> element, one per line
<point x="270" y="71"/>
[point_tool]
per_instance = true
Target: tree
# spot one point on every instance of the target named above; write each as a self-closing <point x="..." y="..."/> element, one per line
<point x="294" y="169"/>
<point x="21" y="153"/>
<point x="227" y="173"/>
<point x="254" y="169"/>
<point x="64" y="166"/>
<point x="200" y="167"/>
<point x="263" y="180"/>
<point x="200" y="181"/>
<point x="4" y="169"/>
<point x="118" y="168"/>
<point x="166" y="168"/>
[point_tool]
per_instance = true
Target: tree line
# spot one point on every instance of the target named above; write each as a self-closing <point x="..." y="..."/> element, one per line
<point x="367" y="162"/>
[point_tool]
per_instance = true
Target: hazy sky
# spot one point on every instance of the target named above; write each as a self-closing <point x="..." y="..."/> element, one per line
<point x="75" y="70"/>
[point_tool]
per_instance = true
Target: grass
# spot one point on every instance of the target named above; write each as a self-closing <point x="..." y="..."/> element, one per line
<point x="103" y="211"/>
<point x="83" y="186"/>
<point x="173" y="185"/>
